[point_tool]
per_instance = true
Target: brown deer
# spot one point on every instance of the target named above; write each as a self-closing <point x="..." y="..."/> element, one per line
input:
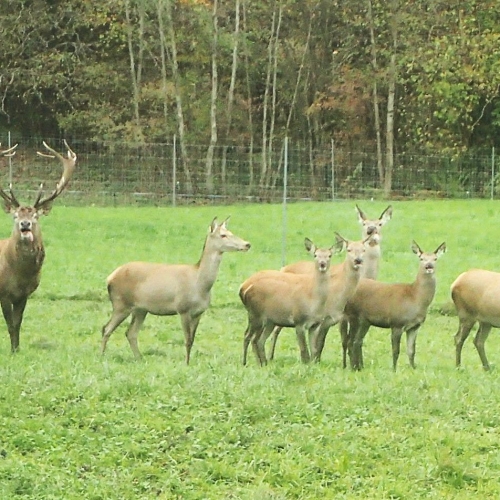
<point x="402" y="307"/>
<point x="296" y="300"/>
<point x="139" y="288"/>
<point x="370" y="231"/>
<point x="475" y="294"/>
<point x="22" y="255"/>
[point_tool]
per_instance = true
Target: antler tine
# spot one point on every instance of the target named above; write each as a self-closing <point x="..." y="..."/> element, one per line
<point x="68" y="164"/>
<point x="10" y="199"/>
<point x="9" y="152"/>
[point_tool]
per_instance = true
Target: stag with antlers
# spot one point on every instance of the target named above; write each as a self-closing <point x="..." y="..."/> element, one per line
<point x="22" y="255"/>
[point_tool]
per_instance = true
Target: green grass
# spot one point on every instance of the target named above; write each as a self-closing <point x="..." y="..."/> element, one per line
<point x="75" y="425"/>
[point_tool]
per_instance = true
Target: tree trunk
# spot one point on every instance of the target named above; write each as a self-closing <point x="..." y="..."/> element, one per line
<point x="251" y="173"/>
<point x="172" y="53"/>
<point x="272" y="123"/>
<point x="391" y="94"/>
<point x="230" y="96"/>
<point x="209" y="163"/>
<point x="376" y="111"/>
<point x="294" y="99"/>
<point x="136" y="67"/>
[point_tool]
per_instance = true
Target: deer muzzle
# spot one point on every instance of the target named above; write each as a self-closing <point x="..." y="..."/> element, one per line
<point x="25" y="227"/>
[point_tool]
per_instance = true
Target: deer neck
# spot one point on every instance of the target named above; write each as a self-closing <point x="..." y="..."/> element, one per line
<point x="425" y="287"/>
<point x="208" y="267"/>
<point x="371" y="262"/>
<point x="321" y="283"/>
<point x="27" y="256"/>
<point x="343" y="286"/>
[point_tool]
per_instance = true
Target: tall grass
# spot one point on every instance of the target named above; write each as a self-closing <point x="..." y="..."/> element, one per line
<point x="76" y="425"/>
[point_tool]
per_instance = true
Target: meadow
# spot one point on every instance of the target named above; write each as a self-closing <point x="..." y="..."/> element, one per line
<point x="76" y="425"/>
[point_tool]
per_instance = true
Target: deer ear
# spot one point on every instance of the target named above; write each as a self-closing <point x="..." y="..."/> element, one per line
<point x="441" y="249"/>
<point x="9" y="208"/>
<point x="44" y="209"/>
<point x="361" y="215"/>
<point x="386" y="214"/>
<point x="310" y="247"/>
<point x="415" y="248"/>
<point x="213" y="225"/>
<point x="340" y="243"/>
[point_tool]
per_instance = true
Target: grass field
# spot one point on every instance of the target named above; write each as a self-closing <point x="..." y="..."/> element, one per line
<point x="79" y="426"/>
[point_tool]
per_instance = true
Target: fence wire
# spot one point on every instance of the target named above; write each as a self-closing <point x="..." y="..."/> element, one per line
<point x="156" y="174"/>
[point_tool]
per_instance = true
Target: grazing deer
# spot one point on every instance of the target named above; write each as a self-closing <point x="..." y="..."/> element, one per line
<point x="296" y="300"/>
<point x="475" y="294"/>
<point x="371" y="232"/>
<point x="22" y="255"/>
<point x="139" y="288"/>
<point x="401" y="307"/>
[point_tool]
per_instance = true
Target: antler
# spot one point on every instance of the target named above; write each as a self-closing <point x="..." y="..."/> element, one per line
<point x="68" y="164"/>
<point x="9" y="199"/>
<point x="8" y="152"/>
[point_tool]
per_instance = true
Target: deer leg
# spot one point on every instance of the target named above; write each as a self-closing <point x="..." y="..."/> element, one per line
<point x="411" y="340"/>
<point x="138" y="317"/>
<point x="464" y="328"/>
<point x="357" y="334"/>
<point x="189" y="325"/>
<point x="274" y="338"/>
<point x="479" y="340"/>
<point x="13" y="314"/>
<point x="319" y="338"/>
<point x="117" y="318"/>
<point x="344" y="338"/>
<point x="300" y="332"/>
<point x="246" y="342"/>
<point x="396" y="335"/>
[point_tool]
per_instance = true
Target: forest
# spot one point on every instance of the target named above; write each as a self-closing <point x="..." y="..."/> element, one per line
<point x="388" y="77"/>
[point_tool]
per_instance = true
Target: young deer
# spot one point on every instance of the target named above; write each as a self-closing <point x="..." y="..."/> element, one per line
<point x="370" y="230"/>
<point x="139" y="288"/>
<point x="296" y="300"/>
<point x="401" y="307"/>
<point x="475" y="294"/>
<point x="22" y="255"/>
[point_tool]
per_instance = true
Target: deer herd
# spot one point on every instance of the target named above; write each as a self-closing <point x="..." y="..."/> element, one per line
<point x="310" y="296"/>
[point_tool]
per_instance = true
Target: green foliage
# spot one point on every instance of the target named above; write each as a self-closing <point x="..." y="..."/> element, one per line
<point x="76" y="425"/>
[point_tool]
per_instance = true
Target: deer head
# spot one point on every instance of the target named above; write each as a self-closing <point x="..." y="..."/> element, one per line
<point x="25" y="216"/>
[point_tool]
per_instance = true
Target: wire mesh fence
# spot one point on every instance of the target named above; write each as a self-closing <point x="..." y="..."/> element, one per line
<point x="125" y="173"/>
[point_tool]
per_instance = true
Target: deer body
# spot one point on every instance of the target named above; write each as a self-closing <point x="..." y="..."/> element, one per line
<point x="475" y="295"/>
<point x="139" y="288"/>
<point x="400" y="307"/>
<point x="371" y="233"/>
<point x="22" y="255"/>
<point x="273" y="298"/>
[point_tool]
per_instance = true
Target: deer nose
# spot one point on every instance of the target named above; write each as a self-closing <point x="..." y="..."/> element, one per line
<point x="358" y="261"/>
<point x="371" y="230"/>
<point x="25" y="225"/>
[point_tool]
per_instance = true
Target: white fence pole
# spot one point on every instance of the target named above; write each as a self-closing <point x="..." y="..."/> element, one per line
<point x="492" y="172"/>
<point x="333" y="170"/>
<point x="174" y="170"/>
<point x="285" y="186"/>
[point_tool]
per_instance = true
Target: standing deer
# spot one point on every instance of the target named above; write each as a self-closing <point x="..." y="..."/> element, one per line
<point x="370" y="231"/>
<point x="139" y="288"/>
<point x="22" y="255"/>
<point x="402" y="307"/>
<point x="297" y="300"/>
<point x="475" y="294"/>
